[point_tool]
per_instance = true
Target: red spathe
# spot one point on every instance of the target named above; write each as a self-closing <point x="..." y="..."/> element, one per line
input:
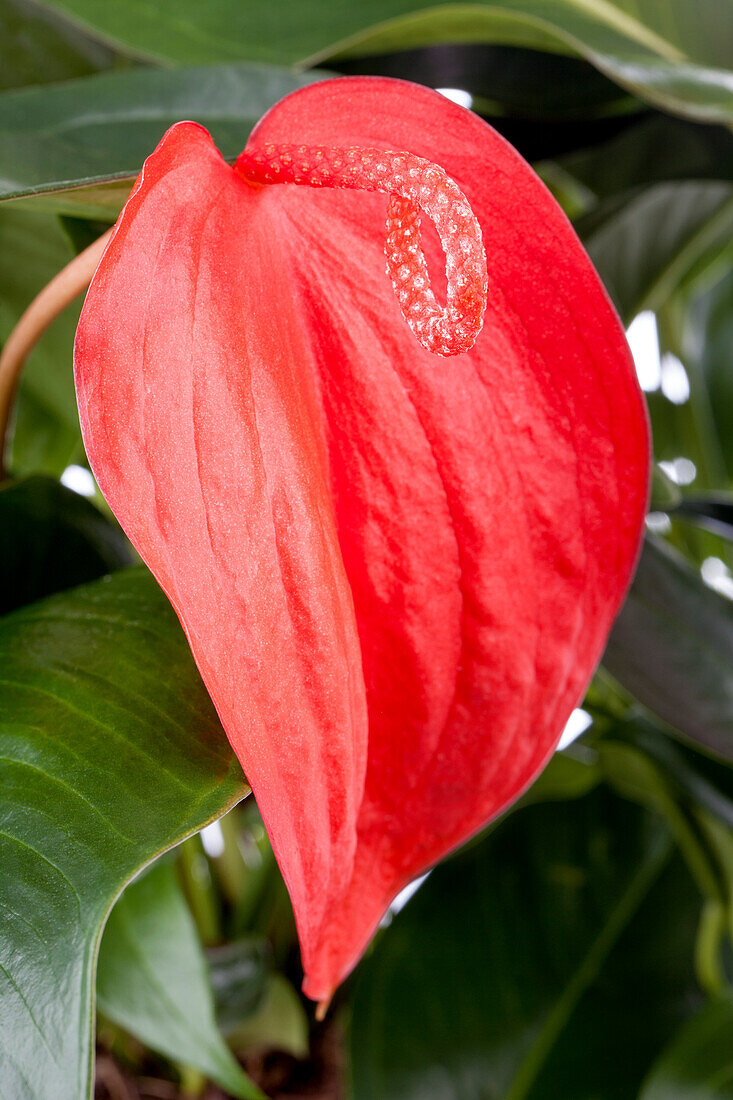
<point x="396" y="571"/>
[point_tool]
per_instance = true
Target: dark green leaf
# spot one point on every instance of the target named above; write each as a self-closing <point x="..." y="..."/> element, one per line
<point x="644" y="244"/>
<point x="46" y="437"/>
<point x="239" y="972"/>
<point x="698" y="1063"/>
<point x="710" y="339"/>
<point x="706" y="782"/>
<point x="566" y="776"/>
<point x="153" y="980"/>
<point x="51" y="539"/>
<point x="50" y="140"/>
<point x="110" y="753"/>
<point x="672" y="649"/>
<point x="504" y="80"/>
<point x="502" y="977"/>
<point x="637" y="776"/>
<point x="646" y="989"/>
<point x="715" y="513"/>
<point x="673" y="54"/>
<point x="37" y="47"/>
<point x="655" y="148"/>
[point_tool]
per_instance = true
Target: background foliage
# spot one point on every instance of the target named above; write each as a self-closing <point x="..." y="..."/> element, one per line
<point x="582" y="948"/>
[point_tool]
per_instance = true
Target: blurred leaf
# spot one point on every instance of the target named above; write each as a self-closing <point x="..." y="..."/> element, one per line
<point x="46" y="437"/>
<point x="671" y="54"/>
<point x="709" y="339"/>
<point x="279" y="1022"/>
<point x="110" y="753"/>
<point x="545" y="104"/>
<point x="566" y="776"/>
<point x="665" y="495"/>
<point x="715" y="937"/>
<point x="655" y="148"/>
<point x="239" y="972"/>
<point x="153" y="980"/>
<point x="704" y="781"/>
<point x="638" y="777"/>
<point x="648" y="987"/>
<point x="672" y="649"/>
<point x="698" y="1063"/>
<point x="715" y="513"/>
<point x="540" y="963"/>
<point x="504" y="79"/>
<point x="50" y="140"/>
<point x="83" y="231"/>
<point x="644" y="244"/>
<point x="51" y="539"/>
<point x="37" y="47"/>
<point x="698" y="807"/>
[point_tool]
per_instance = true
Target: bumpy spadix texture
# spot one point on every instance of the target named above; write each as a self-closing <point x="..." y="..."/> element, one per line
<point x="412" y="183"/>
<point x="396" y="570"/>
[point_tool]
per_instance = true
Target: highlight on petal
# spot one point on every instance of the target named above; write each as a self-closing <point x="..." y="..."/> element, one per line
<point x="397" y="571"/>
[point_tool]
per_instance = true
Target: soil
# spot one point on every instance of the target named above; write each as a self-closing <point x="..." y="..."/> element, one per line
<point x="279" y="1075"/>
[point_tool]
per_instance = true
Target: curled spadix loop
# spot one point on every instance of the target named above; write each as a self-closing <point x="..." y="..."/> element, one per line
<point x="414" y="185"/>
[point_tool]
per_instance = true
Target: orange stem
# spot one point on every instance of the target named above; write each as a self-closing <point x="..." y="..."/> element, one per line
<point x="45" y="307"/>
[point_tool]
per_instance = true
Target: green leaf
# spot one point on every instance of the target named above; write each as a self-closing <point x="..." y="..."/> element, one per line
<point x="279" y="1022"/>
<point x="698" y="1063"/>
<point x="153" y="980"/>
<point x="110" y="753"/>
<point x="714" y="512"/>
<point x="710" y="337"/>
<point x="51" y="539"/>
<point x="672" y="649"/>
<point x="537" y="964"/>
<point x="637" y="776"/>
<point x="672" y="54"/>
<point x="644" y="244"/>
<point x="566" y="776"/>
<point x="239" y="972"/>
<point x="51" y="141"/>
<point x="665" y="495"/>
<point x="46" y="437"/>
<point x="507" y="81"/>
<point x="37" y="47"/>
<point x="655" y="148"/>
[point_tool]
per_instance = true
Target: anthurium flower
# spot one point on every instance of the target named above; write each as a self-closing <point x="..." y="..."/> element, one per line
<point x="396" y="539"/>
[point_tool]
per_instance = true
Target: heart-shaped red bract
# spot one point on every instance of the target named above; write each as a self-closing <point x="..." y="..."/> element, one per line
<point x="396" y="571"/>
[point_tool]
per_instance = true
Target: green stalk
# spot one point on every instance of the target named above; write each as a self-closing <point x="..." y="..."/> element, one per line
<point x="199" y="888"/>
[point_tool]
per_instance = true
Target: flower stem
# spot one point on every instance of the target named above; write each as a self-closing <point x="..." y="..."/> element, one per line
<point x="45" y="307"/>
<point x="199" y="889"/>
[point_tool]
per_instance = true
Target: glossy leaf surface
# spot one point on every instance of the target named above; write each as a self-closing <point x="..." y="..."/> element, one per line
<point x="655" y="148"/>
<point x="672" y="648"/>
<point x="37" y="46"/>
<point x="674" y="54"/>
<point x="110" y="752"/>
<point x="539" y="963"/>
<point x="50" y="141"/>
<point x="645" y="243"/>
<point x="153" y="980"/>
